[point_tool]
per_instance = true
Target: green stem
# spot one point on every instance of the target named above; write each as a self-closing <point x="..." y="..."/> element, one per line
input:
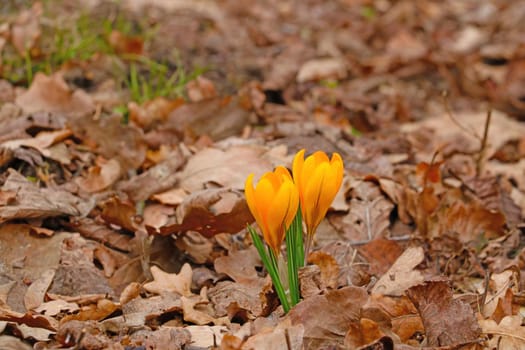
<point x="295" y="254"/>
<point x="269" y="260"/>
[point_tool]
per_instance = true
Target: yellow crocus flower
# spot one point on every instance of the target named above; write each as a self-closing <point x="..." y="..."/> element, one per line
<point x="273" y="203"/>
<point x="318" y="180"/>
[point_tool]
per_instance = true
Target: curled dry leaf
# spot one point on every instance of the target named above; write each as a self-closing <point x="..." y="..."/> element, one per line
<point x="171" y="282"/>
<point x="36" y="292"/>
<point x="122" y="214"/>
<point x="152" y="112"/>
<point x="498" y="286"/>
<point x="201" y="89"/>
<point x="447" y="321"/>
<point x="54" y="307"/>
<point x="42" y="142"/>
<point x="192" y="314"/>
<point x="34" y="202"/>
<point x="100" y="176"/>
<point x="102" y="309"/>
<point x="210" y="212"/>
<point x="322" y="68"/>
<point x="156" y="179"/>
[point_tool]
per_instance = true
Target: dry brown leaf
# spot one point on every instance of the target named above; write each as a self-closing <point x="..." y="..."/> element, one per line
<point x="368" y="216"/>
<point x="170" y="282"/>
<point x="402" y="274"/>
<point x="43" y="142"/>
<point x="329" y="268"/>
<point x="91" y="229"/>
<point x="192" y="314"/>
<point x="51" y="94"/>
<point x="156" y="179"/>
<point x="137" y="311"/>
<point x="175" y="196"/>
<point x="168" y="338"/>
<point x="54" y="307"/>
<point x="210" y="212"/>
<point x="205" y="336"/>
<point x="284" y="336"/>
<point x="400" y="311"/>
<point x="469" y="223"/>
<point x="117" y="212"/>
<point x="77" y="274"/>
<point x="8" y="342"/>
<point x="228" y="168"/>
<point x="125" y="44"/>
<point x="100" y="176"/>
<point x="447" y="321"/>
<point x="36" y="292"/>
<point x="152" y="112"/>
<point x="217" y="118"/>
<point x="322" y="68"/>
<point x="327" y="318"/>
<point x="26" y="31"/>
<point x="239" y="265"/>
<point x="102" y="309"/>
<point x="243" y="300"/>
<point x="34" y="202"/>
<point x="201" y="89"/>
<point x="381" y="253"/>
<point x="508" y="334"/>
<point x="109" y="138"/>
<point x="498" y="286"/>
<point x="363" y="332"/>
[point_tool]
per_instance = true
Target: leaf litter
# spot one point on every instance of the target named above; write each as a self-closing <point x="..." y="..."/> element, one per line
<point x="123" y="220"/>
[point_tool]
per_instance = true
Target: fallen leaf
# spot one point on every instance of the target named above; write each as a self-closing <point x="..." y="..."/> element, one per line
<point x="201" y="89"/>
<point x="402" y="274"/>
<point x="240" y="265"/>
<point x="153" y="112"/>
<point x="8" y="342"/>
<point x="284" y="336"/>
<point x="102" y="309"/>
<point x="156" y="179"/>
<point x="34" y="202"/>
<point x="210" y="212"/>
<point x="192" y="314"/>
<point x="54" y="307"/>
<point x="322" y="68"/>
<point x="206" y="337"/>
<point x="122" y="214"/>
<point x="51" y="94"/>
<point x="125" y="44"/>
<point x="381" y="254"/>
<point x="170" y="282"/>
<point x="218" y="118"/>
<point x="26" y="31"/>
<point x="508" y="334"/>
<point x="447" y="321"/>
<point x="228" y="168"/>
<point x="327" y="318"/>
<point x="100" y="176"/>
<point x="36" y="292"/>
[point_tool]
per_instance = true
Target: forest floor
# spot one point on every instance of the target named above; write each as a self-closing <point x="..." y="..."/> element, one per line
<point x="128" y="129"/>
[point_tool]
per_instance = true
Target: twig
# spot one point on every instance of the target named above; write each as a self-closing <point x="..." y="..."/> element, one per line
<point x="454" y="120"/>
<point x="483" y="146"/>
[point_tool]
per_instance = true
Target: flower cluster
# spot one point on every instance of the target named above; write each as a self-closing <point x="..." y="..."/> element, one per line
<point x="279" y="200"/>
